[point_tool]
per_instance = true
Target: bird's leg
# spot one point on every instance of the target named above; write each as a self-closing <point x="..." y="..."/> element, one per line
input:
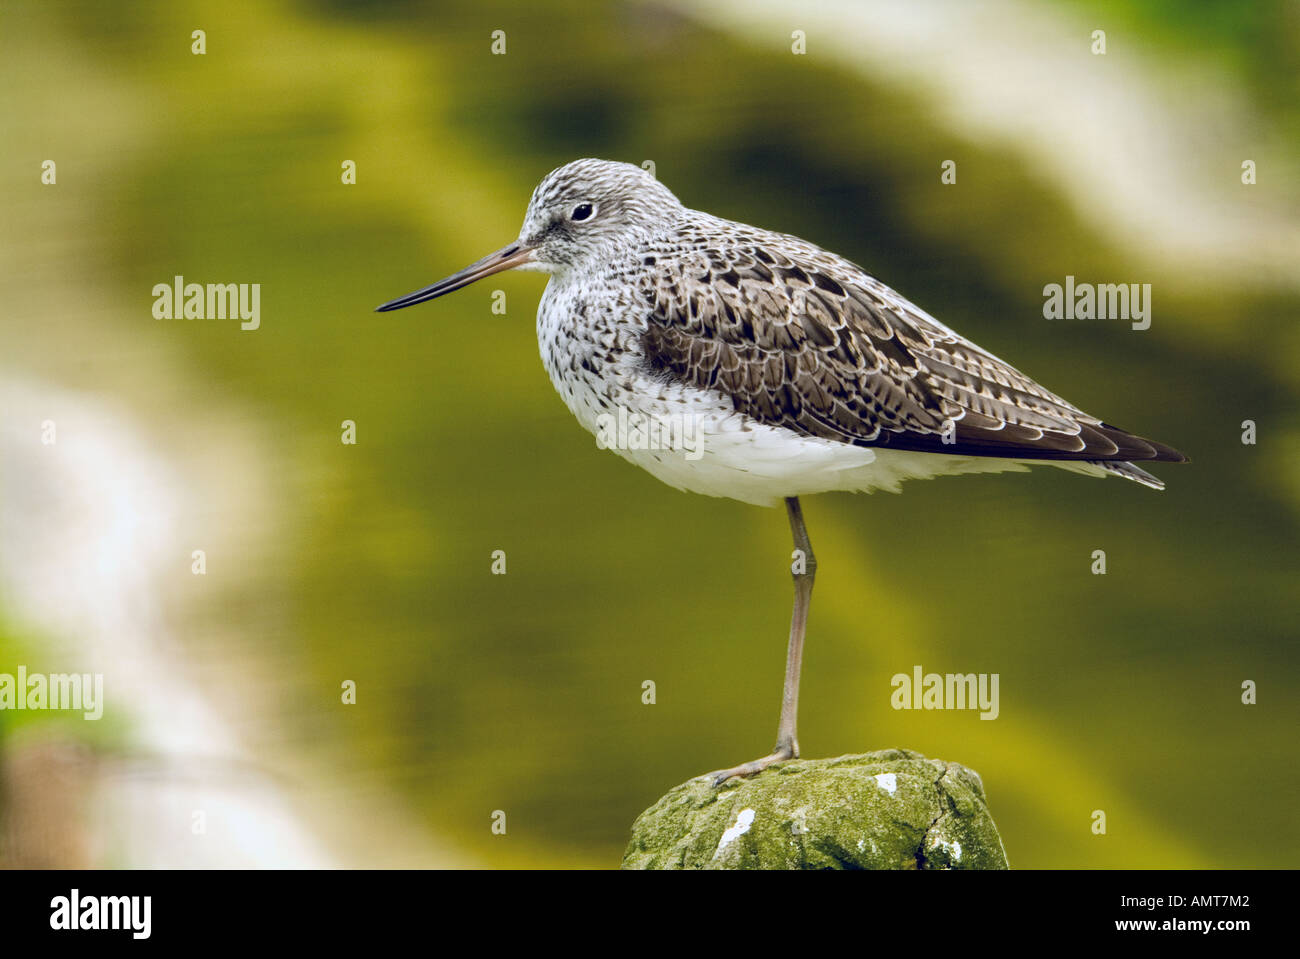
<point x="804" y="569"/>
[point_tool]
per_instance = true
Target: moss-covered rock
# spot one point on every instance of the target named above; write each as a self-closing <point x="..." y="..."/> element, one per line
<point x="890" y="809"/>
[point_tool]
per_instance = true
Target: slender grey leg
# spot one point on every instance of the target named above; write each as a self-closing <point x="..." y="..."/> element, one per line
<point x="787" y="740"/>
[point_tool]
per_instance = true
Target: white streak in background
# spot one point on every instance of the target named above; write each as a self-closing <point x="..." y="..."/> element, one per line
<point x="1148" y="151"/>
<point x="89" y="545"/>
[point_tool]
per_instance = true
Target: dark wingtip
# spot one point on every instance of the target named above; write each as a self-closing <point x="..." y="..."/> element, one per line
<point x="1167" y="454"/>
<point x="1155" y="451"/>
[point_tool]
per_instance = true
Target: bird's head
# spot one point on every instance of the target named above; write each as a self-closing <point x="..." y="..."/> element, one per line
<point x="581" y="213"/>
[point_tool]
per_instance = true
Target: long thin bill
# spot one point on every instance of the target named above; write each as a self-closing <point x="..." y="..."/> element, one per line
<point x="506" y="258"/>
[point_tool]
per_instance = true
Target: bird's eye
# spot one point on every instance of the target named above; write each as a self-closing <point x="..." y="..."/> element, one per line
<point x="582" y="211"/>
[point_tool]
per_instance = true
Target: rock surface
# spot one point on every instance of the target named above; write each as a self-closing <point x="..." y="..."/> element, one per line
<point x="890" y="809"/>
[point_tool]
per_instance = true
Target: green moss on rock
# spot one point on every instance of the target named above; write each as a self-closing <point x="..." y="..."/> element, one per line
<point x="890" y="809"/>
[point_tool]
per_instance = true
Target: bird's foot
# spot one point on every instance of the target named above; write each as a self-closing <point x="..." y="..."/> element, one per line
<point x="779" y="755"/>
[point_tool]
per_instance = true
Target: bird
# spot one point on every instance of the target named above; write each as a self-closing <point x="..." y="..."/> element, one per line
<point x="792" y="370"/>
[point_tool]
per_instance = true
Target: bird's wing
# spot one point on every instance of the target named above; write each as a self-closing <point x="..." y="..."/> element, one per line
<point x="803" y="339"/>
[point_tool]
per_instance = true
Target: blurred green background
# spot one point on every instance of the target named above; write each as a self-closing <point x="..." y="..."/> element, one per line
<point x="522" y="692"/>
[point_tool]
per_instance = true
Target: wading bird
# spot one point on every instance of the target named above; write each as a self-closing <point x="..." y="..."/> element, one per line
<point x="800" y="372"/>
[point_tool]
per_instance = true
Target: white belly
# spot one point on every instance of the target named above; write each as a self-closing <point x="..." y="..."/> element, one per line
<point x="696" y="441"/>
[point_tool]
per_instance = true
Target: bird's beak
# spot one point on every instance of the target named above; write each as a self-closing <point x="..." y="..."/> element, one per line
<point x="516" y="254"/>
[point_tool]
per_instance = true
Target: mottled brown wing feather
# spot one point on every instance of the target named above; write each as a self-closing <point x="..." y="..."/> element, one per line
<point x="803" y="339"/>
